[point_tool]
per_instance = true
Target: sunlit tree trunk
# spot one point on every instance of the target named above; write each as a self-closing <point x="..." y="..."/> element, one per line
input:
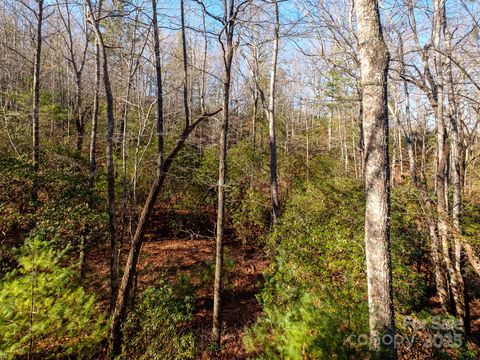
<point x="374" y="59"/>
<point x="114" y="266"/>
<point x="271" y="118"/>
<point x="36" y="95"/>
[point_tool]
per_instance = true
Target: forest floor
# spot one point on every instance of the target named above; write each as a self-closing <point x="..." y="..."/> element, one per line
<point x="194" y="258"/>
<point x="167" y="258"/>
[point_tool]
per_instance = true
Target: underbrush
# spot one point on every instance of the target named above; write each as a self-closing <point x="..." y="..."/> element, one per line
<point x="158" y="325"/>
<point x="44" y="312"/>
<point x="315" y="297"/>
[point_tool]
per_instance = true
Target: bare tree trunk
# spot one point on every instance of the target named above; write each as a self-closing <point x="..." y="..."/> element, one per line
<point x="461" y="304"/>
<point x="93" y="135"/>
<point x="442" y="157"/>
<point x="271" y="118"/>
<point x="229" y="22"/>
<point x="344" y="144"/>
<point x="374" y="74"/>
<point x="394" y="160"/>
<point x="361" y="137"/>
<point x="354" y="150"/>
<point x="204" y="67"/>
<point x="79" y="123"/>
<point x="36" y="96"/>
<point x="329" y="138"/>
<point x="254" y="118"/>
<point x="114" y="266"/>
<point x="185" y="66"/>
<point x="307" y="151"/>
<point x="440" y="279"/>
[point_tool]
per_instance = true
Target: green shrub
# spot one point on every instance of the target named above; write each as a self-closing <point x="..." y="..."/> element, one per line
<point x="157" y="327"/>
<point x="207" y="273"/>
<point x="315" y="328"/>
<point x="315" y="293"/>
<point x="314" y="296"/>
<point x="250" y="220"/>
<point x="42" y="309"/>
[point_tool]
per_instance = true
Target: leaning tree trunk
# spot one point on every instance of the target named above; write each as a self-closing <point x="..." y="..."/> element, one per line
<point x="374" y="73"/>
<point x="129" y="271"/>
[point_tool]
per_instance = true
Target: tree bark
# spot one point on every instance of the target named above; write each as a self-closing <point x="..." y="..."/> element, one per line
<point x="227" y="47"/>
<point x="93" y="134"/>
<point x="185" y="65"/>
<point x="456" y="145"/>
<point x="271" y="118"/>
<point x="114" y="265"/>
<point x="36" y="97"/>
<point x="442" y="158"/>
<point x="374" y="58"/>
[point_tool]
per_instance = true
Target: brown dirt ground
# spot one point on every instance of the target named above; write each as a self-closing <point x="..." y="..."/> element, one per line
<point x="192" y="256"/>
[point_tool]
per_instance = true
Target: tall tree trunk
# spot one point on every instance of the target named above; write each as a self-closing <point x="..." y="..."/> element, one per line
<point x="374" y="74"/>
<point x="79" y="123"/>
<point x="254" y="118"/>
<point x="229" y="22"/>
<point x="114" y="266"/>
<point x="461" y="304"/>
<point x="422" y="193"/>
<point x="36" y="96"/>
<point x="271" y="118"/>
<point x="204" y="67"/>
<point x="442" y="157"/>
<point x="361" y="137"/>
<point x="185" y="65"/>
<point x="93" y="134"/>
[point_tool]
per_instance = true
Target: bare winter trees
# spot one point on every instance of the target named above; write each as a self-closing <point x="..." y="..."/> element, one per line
<point x="163" y="166"/>
<point x="308" y="87"/>
<point x="93" y="17"/>
<point x="374" y="60"/>
<point x="434" y="75"/>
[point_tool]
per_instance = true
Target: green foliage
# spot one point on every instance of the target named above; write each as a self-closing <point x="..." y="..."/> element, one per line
<point x="314" y="296"/>
<point x="315" y="328"/>
<point x="409" y="245"/>
<point x="67" y="209"/>
<point x="315" y="291"/>
<point x="207" y="274"/>
<point x="191" y="191"/>
<point x="157" y="327"/>
<point x="250" y="219"/>
<point x="43" y="310"/>
<point x="16" y="175"/>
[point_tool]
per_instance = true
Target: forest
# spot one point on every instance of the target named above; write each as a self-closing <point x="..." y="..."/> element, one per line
<point x="240" y="179"/>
